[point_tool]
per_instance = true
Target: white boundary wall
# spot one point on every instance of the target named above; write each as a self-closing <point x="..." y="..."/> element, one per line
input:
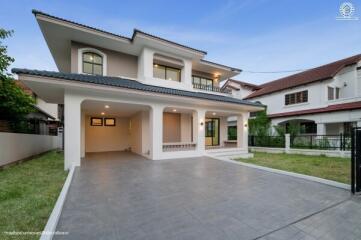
<point x="314" y="152"/>
<point x="17" y="146"/>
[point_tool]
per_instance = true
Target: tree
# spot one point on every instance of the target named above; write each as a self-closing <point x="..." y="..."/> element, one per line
<point x="15" y="104"/>
<point x="292" y="128"/>
<point x="260" y="125"/>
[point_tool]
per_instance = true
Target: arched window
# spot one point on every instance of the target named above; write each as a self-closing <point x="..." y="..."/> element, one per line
<point x="92" y="63"/>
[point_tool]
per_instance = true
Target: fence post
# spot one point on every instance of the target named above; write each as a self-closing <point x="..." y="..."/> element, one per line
<point x="287" y="142"/>
<point x="341" y="142"/>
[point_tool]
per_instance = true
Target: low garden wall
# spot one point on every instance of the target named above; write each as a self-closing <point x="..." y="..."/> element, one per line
<point x="18" y="146"/>
<point x="314" y="152"/>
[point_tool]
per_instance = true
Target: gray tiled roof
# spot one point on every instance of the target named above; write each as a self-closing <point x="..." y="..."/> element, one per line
<point x="132" y="84"/>
<point x="37" y="12"/>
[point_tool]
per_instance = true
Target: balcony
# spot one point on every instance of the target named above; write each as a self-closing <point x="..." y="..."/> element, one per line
<point x="211" y="88"/>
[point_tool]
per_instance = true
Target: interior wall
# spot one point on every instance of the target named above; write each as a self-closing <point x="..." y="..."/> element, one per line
<point x="171" y="127"/>
<point x="186" y="127"/>
<point x="135" y="126"/>
<point x="107" y="138"/>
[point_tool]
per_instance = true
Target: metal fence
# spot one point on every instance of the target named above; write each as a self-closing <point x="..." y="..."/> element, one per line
<point x="325" y="142"/>
<point x="266" y="141"/>
<point x="30" y="126"/>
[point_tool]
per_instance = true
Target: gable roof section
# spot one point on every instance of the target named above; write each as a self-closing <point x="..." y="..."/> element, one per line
<point x="331" y="108"/>
<point x="240" y="83"/>
<point x="313" y="75"/>
<point x="132" y="84"/>
<point x="135" y="31"/>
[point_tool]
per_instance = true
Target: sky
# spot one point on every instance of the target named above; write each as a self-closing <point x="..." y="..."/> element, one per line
<point x="253" y="35"/>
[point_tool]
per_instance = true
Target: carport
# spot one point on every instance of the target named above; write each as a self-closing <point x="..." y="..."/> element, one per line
<point x="114" y="126"/>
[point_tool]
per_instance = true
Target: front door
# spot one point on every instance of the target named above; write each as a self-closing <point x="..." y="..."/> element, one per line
<point x="212" y="131"/>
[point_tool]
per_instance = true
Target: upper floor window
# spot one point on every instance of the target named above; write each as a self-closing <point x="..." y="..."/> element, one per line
<point x="333" y="93"/>
<point x="167" y="73"/>
<point x="298" y="97"/>
<point x="202" y="81"/>
<point x="92" y="63"/>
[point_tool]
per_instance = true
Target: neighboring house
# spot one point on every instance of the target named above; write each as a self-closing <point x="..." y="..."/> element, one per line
<point x="144" y="94"/>
<point x="323" y="100"/>
<point x="44" y="120"/>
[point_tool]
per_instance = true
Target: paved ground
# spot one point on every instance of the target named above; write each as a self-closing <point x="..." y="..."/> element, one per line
<point x="122" y="196"/>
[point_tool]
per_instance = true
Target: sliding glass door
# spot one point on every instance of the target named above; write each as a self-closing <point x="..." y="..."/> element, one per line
<point x="212" y="131"/>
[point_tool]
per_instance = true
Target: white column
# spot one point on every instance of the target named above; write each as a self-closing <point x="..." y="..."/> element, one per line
<point x="321" y="129"/>
<point x="223" y="130"/>
<point x="72" y="130"/>
<point x="186" y="74"/>
<point x="242" y="131"/>
<point x="195" y="126"/>
<point x="200" y="126"/>
<point x="287" y="142"/>
<point x="156" y="131"/>
<point x="83" y="120"/>
<point x="145" y="64"/>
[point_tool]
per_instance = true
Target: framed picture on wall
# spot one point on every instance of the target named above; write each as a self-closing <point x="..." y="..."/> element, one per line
<point x="109" y="122"/>
<point x="94" y="121"/>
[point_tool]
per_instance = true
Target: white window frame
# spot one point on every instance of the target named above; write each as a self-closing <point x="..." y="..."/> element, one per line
<point x="93" y="50"/>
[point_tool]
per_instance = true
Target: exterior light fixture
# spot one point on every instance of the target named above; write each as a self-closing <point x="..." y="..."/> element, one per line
<point x="106" y="106"/>
<point x="174" y="110"/>
<point x="156" y="65"/>
<point x="102" y="113"/>
<point x="202" y="123"/>
<point x="214" y="114"/>
<point x="245" y="125"/>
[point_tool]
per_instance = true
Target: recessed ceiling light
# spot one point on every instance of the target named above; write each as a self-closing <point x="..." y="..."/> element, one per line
<point x="174" y="110"/>
<point x="106" y="106"/>
<point x="102" y="113"/>
<point x="213" y="113"/>
<point x="155" y="65"/>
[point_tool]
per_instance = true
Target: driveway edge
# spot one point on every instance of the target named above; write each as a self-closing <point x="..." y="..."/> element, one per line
<point x="292" y="174"/>
<point x="50" y="227"/>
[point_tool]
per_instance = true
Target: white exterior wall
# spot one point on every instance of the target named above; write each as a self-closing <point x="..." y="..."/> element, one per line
<point x="50" y="108"/>
<point x="17" y="146"/>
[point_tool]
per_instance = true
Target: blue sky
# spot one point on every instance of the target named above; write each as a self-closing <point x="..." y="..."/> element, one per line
<point x="254" y="35"/>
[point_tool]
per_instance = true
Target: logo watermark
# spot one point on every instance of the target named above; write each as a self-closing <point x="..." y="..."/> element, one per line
<point x="347" y="12"/>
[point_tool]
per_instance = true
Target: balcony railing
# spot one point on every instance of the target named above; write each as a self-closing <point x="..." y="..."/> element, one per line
<point x="172" y="147"/>
<point x="211" y="88"/>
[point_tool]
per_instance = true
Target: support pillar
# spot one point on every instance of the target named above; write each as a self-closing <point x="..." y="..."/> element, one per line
<point x="72" y="130"/>
<point x="242" y="131"/>
<point x="200" y="127"/>
<point x="156" y="131"/>
<point x="321" y="129"/>
<point x="83" y="119"/>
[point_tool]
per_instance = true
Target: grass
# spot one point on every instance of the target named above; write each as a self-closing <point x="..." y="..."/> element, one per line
<point x="28" y="192"/>
<point x="332" y="168"/>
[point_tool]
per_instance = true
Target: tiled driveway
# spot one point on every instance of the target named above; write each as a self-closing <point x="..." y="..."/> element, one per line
<point x="123" y="196"/>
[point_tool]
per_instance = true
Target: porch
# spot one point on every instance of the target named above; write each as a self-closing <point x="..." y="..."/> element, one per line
<point x="154" y="131"/>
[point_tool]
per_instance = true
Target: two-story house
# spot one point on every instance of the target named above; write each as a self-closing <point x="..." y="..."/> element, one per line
<point x="325" y="100"/>
<point x="143" y="93"/>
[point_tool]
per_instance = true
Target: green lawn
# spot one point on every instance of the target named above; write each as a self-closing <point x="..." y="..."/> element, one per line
<point x="28" y="192"/>
<point x="332" y="168"/>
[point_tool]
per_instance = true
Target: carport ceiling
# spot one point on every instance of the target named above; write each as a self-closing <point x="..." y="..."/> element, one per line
<point x="95" y="108"/>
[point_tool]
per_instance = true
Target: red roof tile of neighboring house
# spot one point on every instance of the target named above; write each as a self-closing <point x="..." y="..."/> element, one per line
<point x="315" y="74"/>
<point x="331" y="108"/>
